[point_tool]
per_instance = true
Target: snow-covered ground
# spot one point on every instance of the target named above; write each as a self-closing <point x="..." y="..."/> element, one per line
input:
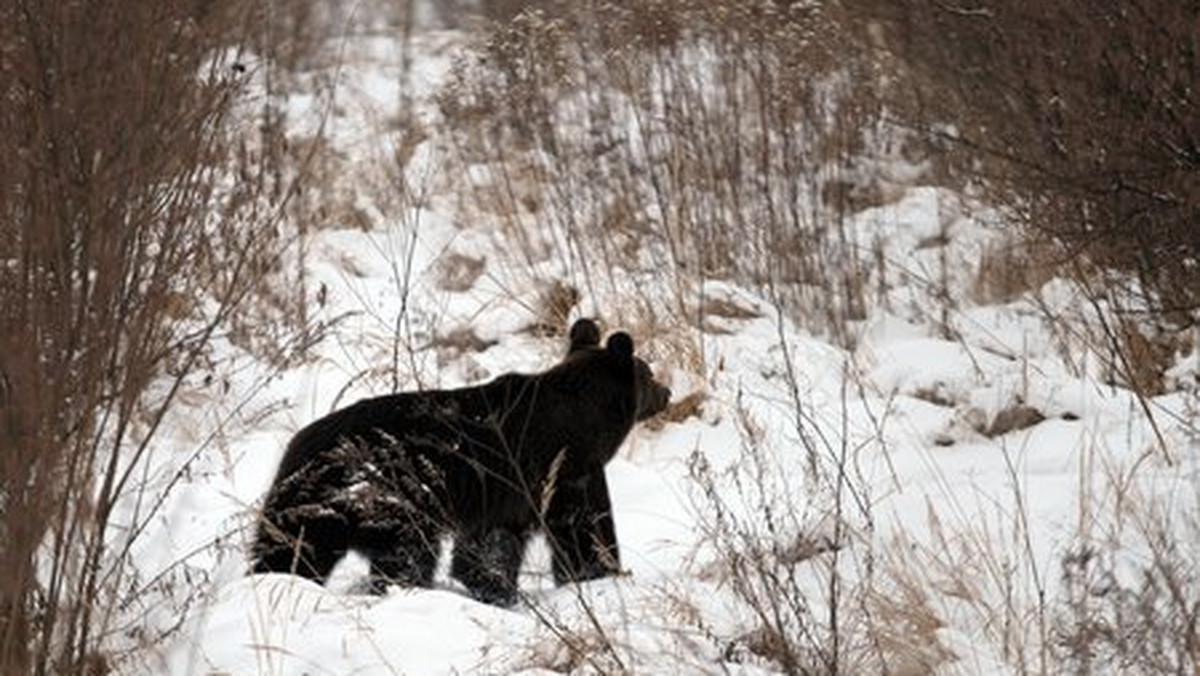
<point x="941" y="522"/>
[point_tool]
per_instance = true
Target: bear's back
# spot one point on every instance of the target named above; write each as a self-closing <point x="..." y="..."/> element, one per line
<point x="471" y="411"/>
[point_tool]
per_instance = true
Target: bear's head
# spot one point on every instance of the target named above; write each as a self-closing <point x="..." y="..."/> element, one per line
<point x="650" y="396"/>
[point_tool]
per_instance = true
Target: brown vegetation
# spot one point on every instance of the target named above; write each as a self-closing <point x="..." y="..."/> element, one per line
<point x="1087" y="112"/>
<point x="697" y="134"/>
<point x="119" y="264"/>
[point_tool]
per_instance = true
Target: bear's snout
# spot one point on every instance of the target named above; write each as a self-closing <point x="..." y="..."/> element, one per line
<point x="654" y="402"/>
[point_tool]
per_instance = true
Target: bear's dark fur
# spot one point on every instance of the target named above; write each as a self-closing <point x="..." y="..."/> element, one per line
<point x="389" y="476"/>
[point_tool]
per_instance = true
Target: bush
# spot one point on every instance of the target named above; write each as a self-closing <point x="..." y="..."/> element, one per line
<point x="1086" y="111"/>
<point x="116" y="271"/>
<point x="721" y="136"/>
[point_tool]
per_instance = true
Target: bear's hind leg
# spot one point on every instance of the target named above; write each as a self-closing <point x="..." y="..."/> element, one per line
<point x="406" y="555"/>
<point x="309" y="546"/>
<point x="487" y="561"/>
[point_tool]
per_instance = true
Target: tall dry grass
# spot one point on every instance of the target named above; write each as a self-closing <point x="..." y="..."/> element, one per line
<point x="1084" y="111"/>
<point x="128" y="246"/>
<point x="703" y="140"/>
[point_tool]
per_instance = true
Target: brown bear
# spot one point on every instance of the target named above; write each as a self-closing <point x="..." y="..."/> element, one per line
<point x="490" y="465"/>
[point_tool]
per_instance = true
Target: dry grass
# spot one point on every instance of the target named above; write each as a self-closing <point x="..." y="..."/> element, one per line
<point x="124" y="256"/>
<point x="1013" y="268"/>
<point x="1142" y="618"/>
<point x="695" y="139"/>
<point x="1084" y="111"/>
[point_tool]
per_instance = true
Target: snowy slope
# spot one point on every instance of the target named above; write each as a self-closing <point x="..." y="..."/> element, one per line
<point x="938" y="536"/>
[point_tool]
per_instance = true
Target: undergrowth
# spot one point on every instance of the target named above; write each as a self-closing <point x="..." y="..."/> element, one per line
<point x="136" y="235"/>
<point x="673" y="143"/>
<point x="724" y="140"/>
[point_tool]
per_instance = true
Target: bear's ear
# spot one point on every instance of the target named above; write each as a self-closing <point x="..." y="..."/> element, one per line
<point x="621" y="345"/>
<point x="584" y="333"/>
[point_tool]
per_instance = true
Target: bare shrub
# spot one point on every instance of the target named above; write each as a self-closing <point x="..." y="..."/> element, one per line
<point x="771" y="583"/>
<point x="699" y="134"/>
<point x="1146" y="625"/>
<point x="1014" y="267"/>
<point x="1132" y="613"/>
<point x="1085" y="110"/>
<point x="811" y="602"/>
<point x="121" y="261"/>
<point x="798" y="563"/>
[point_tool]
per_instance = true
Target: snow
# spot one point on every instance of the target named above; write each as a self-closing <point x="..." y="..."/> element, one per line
<point x="911" y="487"/>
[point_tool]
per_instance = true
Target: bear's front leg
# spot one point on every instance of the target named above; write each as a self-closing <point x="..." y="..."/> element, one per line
<point x="581" y="532"/>
<point x="487" y="561"/>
